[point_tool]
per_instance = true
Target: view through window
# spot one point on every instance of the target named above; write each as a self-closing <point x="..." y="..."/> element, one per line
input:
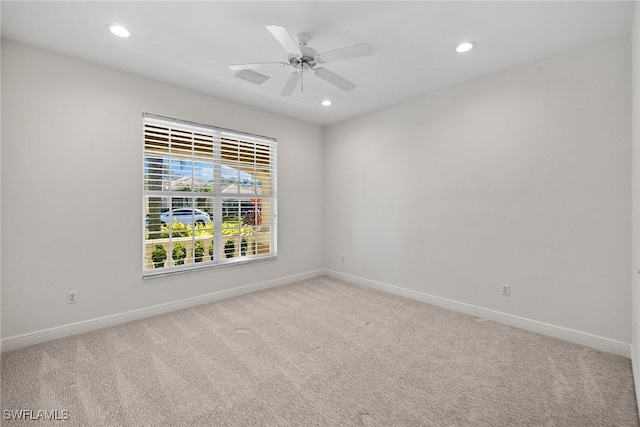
<point x="209" y="196"/>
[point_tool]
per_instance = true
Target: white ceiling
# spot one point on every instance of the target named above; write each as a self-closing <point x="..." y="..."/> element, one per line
<point x="191" y="44"/>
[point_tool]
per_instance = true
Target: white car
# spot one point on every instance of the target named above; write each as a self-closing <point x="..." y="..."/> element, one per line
<point x="189" y="216"/>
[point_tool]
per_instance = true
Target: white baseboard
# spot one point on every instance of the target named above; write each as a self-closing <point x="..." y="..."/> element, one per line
<point x="19" y="341"/>
<point x="636" y="375"/>
<point x="577" y="337"/>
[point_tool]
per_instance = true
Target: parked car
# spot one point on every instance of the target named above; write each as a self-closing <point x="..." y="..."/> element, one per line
<point x="188" y="216"/>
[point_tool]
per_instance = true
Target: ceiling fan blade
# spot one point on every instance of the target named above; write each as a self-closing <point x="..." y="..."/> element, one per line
<point x="350" y="52"/>
<point x="284" y="38"/>
<point x="239" y="67"/>
<point x="335" y="79"/>
<point x="291" y="84"/>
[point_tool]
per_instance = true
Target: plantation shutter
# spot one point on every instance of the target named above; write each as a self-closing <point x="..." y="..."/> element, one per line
<point x="206" y="190"/>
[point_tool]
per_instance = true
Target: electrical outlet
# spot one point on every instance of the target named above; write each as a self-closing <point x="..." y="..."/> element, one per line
<point x="506" y="290"/>
<point x="72" y="297"/>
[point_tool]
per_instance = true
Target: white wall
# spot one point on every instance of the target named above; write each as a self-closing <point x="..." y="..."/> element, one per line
<point x="0" y="202"/>
<point x="72" y="170"/>
<point x="520" y="178"/>
<point x="635" y="121"/>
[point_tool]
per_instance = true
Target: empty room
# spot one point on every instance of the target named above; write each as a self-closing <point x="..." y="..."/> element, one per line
<point x="319" y="213"/>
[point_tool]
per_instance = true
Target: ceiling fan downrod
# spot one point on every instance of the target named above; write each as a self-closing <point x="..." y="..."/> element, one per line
<point x="301" y="78"/>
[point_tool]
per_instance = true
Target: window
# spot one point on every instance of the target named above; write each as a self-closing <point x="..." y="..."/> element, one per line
<point x="209" y="196"/>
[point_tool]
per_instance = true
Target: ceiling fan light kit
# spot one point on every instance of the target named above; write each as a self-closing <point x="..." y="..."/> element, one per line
<point x="303" y="58"/>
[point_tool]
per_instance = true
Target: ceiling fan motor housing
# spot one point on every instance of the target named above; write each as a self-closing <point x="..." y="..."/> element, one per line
<point x="306" y="61"/>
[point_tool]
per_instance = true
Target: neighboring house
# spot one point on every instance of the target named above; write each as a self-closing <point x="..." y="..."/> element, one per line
<point x="186" y="182"/>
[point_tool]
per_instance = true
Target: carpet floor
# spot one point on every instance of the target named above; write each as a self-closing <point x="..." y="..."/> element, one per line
<point x="320" y="352"/>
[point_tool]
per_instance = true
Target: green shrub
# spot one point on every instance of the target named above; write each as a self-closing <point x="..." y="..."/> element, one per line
<point x="229" y="248"/>
<point x="179" y="253"/>
<point x="158" y="256"/>
<point x="178" y="229"/>
<point x="234" y="227"/>
<point x="198" y="252"/>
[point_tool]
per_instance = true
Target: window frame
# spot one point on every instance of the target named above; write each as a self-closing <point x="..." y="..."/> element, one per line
<point x="264" y="156"/>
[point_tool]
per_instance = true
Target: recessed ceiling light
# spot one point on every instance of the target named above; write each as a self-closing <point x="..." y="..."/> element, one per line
<point x="118" y="30"/>
<point x="465" y="46"/>
<point x="326" y="102"/>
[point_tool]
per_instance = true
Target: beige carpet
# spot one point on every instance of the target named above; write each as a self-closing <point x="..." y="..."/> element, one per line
<point x="319" y="352"/>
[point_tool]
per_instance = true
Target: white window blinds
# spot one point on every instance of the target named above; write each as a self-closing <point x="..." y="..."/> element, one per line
<point x="209" y="196"/>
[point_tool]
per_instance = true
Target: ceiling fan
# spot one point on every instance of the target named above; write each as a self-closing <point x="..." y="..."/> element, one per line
<point x="303" y="58"/>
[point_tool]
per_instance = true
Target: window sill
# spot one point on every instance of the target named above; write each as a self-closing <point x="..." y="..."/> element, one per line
<point x="170" y="271"/>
